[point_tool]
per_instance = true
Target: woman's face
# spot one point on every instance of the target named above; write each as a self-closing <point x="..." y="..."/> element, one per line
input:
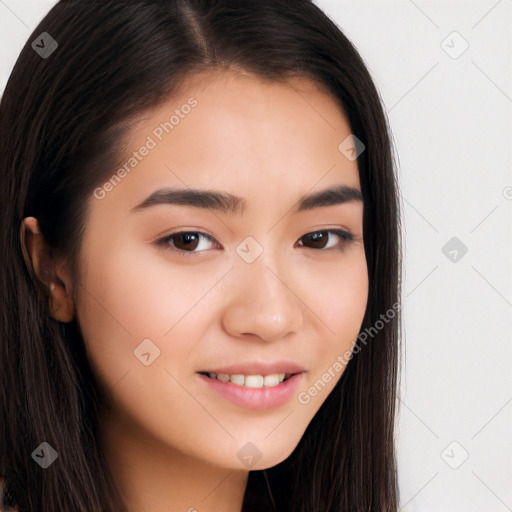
<point x="251" y="290"/>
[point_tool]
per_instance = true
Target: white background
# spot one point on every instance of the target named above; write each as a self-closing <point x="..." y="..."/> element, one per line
<point x="452" y="125"/>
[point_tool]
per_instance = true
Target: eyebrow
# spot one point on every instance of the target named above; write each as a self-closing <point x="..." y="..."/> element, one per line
<point x="231" y="204"/>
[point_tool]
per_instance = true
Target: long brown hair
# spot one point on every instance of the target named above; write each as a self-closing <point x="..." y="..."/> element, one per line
<point x="61" y="120"/>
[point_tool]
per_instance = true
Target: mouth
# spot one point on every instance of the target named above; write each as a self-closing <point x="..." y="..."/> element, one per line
<point x="251" y="390"/>
<point x="251" y="381"/>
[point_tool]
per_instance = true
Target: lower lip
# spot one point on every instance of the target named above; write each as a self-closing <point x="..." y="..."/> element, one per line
<point x="256" y="398"/>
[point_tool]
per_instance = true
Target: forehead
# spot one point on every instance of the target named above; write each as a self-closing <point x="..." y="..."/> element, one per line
<point x="233" y="130"/>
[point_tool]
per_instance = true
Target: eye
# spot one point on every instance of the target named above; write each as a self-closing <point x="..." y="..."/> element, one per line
<point x="192" y="242"/>
<point x="319" y="238"/>
<point x="186" y="241"/>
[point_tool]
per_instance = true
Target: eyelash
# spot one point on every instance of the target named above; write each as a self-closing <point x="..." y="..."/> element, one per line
<point x="346" y="236"/>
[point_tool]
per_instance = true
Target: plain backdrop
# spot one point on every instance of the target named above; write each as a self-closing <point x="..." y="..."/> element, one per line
<point x="444" y="71"/>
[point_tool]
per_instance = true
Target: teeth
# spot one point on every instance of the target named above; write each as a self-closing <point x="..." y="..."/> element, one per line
<point x="253" y="381"/>
<point x="237" y="379"/>
<point x="250" y="381"/>
<point x="270" y="381"/>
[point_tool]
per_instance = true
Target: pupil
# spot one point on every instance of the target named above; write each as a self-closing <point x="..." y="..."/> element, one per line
<point x="317" y="238"/>
<point x="188" y="238"/>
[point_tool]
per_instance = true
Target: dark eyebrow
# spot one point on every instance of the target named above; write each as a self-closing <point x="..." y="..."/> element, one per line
<point x="330" y="196"/>
<point x="231" y="204"/>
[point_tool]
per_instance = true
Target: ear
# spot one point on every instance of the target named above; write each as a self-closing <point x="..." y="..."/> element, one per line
<point x="44" y="267"/>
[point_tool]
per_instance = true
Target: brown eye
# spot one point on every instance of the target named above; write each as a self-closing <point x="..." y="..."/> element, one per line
<point x="319" y="239"/>
<point x="186" y="242"/>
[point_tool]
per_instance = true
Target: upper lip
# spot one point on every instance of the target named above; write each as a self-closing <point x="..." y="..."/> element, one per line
<point x="258" y="368"/>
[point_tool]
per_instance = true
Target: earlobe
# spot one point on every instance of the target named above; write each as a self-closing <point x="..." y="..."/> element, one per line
<point x="61" y="305"/>
<point x="45" y="272"/>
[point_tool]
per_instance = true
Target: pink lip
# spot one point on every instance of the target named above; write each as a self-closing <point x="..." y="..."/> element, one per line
<point x="257" y="368"/>
<point x="255" y="398"/>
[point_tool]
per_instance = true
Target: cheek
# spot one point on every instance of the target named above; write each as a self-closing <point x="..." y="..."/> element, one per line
<point x="339" y="294"/>
<point x="338" y="299"/>
<point x="135" y="294"/>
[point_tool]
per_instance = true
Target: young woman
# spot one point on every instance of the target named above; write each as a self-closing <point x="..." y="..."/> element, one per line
<point x="200" y="280"/>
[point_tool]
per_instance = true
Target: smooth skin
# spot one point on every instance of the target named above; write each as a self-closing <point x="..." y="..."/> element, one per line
<point x="170" y="440"/>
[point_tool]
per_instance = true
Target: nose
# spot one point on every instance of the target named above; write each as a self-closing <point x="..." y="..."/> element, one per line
<point x="262" y="303"/>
